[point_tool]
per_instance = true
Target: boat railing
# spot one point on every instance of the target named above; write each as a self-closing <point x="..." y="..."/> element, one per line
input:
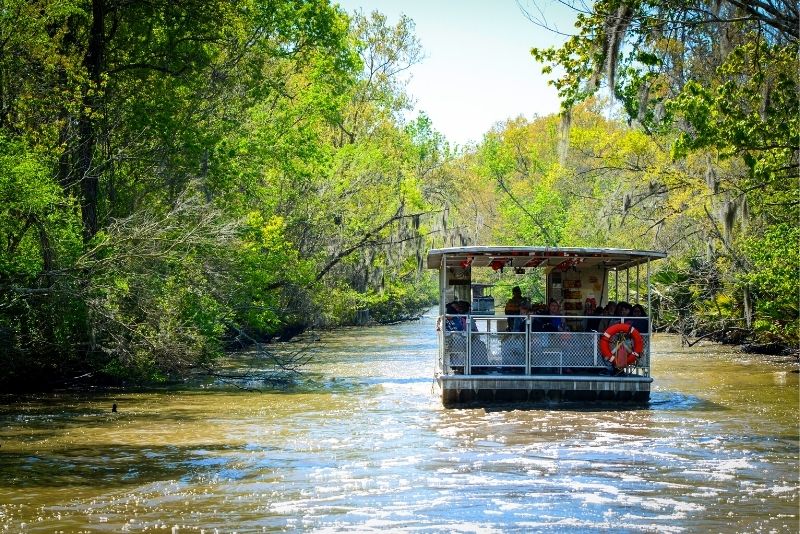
<point x="489" y="347"/>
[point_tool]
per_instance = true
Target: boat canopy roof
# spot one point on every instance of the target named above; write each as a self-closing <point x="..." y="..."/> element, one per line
<point x="494" y="256"/>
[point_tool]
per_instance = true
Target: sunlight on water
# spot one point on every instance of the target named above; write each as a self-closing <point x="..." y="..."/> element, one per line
<point x="363" y="444"/>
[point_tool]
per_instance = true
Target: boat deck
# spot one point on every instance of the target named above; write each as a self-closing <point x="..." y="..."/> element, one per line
<point x="489" y="364"/>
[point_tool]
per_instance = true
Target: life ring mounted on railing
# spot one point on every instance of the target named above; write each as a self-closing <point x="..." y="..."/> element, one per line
<point x="620" y="355"/>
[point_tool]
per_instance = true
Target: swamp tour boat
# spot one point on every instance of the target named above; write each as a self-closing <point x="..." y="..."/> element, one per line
<point x="572" y="342"/>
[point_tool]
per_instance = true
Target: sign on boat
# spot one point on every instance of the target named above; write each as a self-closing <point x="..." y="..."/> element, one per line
<point x="563" y="348"/>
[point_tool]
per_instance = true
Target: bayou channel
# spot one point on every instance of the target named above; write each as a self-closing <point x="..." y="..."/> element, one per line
<point x="362" y="443"/>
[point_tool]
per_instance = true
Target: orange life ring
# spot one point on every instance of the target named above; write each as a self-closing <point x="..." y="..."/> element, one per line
<point x="620" y="357"/>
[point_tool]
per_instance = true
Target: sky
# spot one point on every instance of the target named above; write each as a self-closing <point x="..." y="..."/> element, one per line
<point x="477" y="69"/>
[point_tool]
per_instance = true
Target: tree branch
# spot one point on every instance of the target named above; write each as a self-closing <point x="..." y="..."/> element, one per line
<point x="360" y="243"/>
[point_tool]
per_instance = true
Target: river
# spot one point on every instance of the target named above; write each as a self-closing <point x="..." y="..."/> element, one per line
<point x="364" y="445"/>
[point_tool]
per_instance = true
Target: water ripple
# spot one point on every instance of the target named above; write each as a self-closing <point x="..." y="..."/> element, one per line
<point x="362" y="444"/>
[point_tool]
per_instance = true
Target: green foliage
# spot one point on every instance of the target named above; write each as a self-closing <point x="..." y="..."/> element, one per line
<point x="158" y="297"/>
<point x="175" y="175"/>
<point x="775" y="281"/>
<point x="530" y="205"/>
<point x="716" y="87"/>
<point x="31" y="209"/>
<point x="400" y="301"/>
<point x="268" y="261"/>
<point x="39" y="231"/>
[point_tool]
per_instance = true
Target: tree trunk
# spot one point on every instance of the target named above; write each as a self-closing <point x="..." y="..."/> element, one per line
<point x="748" y="307"/>
<point x="87" y="136"/>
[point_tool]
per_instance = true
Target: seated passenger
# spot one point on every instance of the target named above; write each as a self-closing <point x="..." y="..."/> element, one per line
<point x="555" y="323"/>
<point x="453" y="323"/>
<point x="464" y="308"/>
<point x="639" y="319"/>
<point x="609" y="312"/>
<point x="537" y="322"/>
<point x="624" y="310"/>
<point x="525" y="310"/>
<point x="593" y="322"/>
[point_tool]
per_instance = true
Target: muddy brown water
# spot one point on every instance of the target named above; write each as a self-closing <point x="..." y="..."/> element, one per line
<point x="362" y="444"/>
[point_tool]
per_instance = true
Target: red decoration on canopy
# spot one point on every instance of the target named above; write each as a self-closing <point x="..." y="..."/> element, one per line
<point x="497" y="264"/>
<point x="566" y="264"/>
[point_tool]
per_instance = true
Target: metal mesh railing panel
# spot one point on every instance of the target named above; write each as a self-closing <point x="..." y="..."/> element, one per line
<point x="562" y="349"/>
<point x="482" y="345"/>
<point x="499" y="349"/>
<point x="455" y="349"/>
<point x="512" y="349"/>
<point x="492" y="346"/>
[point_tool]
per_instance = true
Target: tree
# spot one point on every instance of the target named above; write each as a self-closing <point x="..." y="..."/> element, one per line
<point x="717" y="84"/>
<point x="119" y="112"/>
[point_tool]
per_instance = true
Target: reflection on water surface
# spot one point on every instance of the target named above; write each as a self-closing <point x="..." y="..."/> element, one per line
<point x="362" y="444"/>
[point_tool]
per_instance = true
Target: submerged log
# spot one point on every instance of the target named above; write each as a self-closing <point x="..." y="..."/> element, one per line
<point x="771" y="349"/>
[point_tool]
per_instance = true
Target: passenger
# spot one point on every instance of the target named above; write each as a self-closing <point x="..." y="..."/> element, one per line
<point x="609" y="312"/>
<point x="536" y="319"/>
<point x="555" y="323"/>
<point x="524" y="310"/>
<point x="453" y="323"/>
<point x="624" y="310"/>
<point x="463" y="308"/>
<point x="639" y="319"/>
<point x="593" y="322"/>
<point x="512" y="308"/>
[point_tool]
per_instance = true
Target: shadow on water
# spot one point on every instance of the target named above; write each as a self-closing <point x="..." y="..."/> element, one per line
<point x="674" y="401"/>
<point x="114" y="465"/>
<point x="378" y="380"/>
<point x="565" y="406"/>
<point x="659" y="401"/>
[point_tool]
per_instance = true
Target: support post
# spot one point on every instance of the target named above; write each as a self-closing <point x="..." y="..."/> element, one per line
<point x="468" y="355"/>
<point x="649" y="302"/>
<point x="628" y="285"/>
<point x="442" y="284"/>
<point x="528" y="345"/>
<point x="649" y="320"/>
<point x="638" y="283"/>
<point x="442" y="318"/>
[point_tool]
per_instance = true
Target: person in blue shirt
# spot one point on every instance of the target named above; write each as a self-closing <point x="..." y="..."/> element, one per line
<point x="555" y="323"/>
<point x="453" y="323"/>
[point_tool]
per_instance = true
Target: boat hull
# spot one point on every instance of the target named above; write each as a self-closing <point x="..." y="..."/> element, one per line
<point x="485" y="389"/>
